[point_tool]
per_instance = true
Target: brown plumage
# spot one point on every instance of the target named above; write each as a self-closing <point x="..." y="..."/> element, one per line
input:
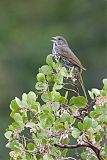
<point x="68" y="54"/>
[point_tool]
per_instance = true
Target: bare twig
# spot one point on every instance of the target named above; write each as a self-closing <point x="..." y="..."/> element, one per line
<point x="73" y="85"/>
<point x="89" y="145"/>
<point x="90" y="106"/>
<point x="79" y="118"/>
<point x="71" y="90"/>
<point x="70" y="158"/>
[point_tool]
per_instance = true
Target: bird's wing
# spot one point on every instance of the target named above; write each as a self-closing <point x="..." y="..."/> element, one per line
<point x="68" y="54"/>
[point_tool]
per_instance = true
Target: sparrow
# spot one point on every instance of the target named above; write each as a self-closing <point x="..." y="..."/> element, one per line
<point x="68" y="58"/>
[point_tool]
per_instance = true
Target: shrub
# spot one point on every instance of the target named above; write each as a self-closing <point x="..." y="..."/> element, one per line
<point x="55" y="118"/>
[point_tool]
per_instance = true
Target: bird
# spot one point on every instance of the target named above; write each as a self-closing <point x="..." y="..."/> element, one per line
<point x="68" y="58"/>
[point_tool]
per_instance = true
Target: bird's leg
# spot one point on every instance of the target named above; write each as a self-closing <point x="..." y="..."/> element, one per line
<point x="76" y="72"/>
<point x="82" y="85"/>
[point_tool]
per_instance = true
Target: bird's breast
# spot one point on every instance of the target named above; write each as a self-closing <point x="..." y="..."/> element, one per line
<point x="56" y="52"/>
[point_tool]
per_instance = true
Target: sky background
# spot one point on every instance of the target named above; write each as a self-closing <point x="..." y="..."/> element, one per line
<point x="26" y="28"/>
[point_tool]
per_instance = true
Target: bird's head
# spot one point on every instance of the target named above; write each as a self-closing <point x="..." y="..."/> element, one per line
<point x="59" y="41"/>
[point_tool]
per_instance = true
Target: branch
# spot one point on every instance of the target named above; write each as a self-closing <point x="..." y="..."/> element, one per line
<point x="73" y="85"/>
<point x="79" y="118"/>
<point x="89" y="145"/>
<point x="70" y="158"/>
<point x="71" y="90"/>
<point x="90" y="106"/>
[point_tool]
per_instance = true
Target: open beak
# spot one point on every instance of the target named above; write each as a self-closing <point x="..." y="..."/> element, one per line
<point x="53" y="39"/>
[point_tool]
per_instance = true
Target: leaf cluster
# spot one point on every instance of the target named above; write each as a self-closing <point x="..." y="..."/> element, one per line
<point x="51" y="116"/>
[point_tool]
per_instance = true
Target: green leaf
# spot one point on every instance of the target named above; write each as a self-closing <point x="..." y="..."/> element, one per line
<point x="47" y="70"/>
<point x="19" y="102"/>
<point x="14" y="126"/>
<point x="96" y="91"/>
<point x="63" y="100"/>
<point x="55" y="106"/>
<point x="55" y="96"/>
<point x="36" y="107"/>
<point x="28" y="156"/>
<point x="41" y="135"/>
<point x="95" y="114"/>
<point x="84" y="156"/>
<point x="53" y="140"/>
<point x="91" y="94"/>
<point x="80" y="126"/>
<point x="44" y="140"/>
<point x="46" y="96"/>
<point x="94" y="158"/>
<point x="58" y="78"/>
<point x="50" y="78"/>
<point x="79" y="101"/>
<point x="46" y="120"/>
<point x="98" y="138"/>
<point x="94" y="123"/>
<point x="72" y="71"/>
<point x="64" y="152"/>
<point x="87" y="123"/>
<point x="31" y="97"/>
<point x="56" y="152"/>
<point x="14" y="106"/>
<point x="8" y="134"/>
<point x="72" y="119"/>
<point x="57" y="87"/>
<point x="41" y="86"/>
<point x="39" y="156"/>
<point x="64" y="72"/>
<point x="43" y="119"/>
<point x="65" y="117"/>
<point x="18" y="118"/>
<point x="41" y="77"/>
<point x="105" y="83"/>
<point x="66" y="94"/>
<point x="105" y="149"/>
<point x="47" y="156"/>
<point x="50" y="120"/>
<point x="24" y="97"/>
<point x="46" y="108"/>
<point x="30" y="146"/>
<point x="66" y="125"/>
<point x="75" y="133"/>
<point x="49" y="60"/>
<point x="15" y="145"/>
<point x="59" y="126"/>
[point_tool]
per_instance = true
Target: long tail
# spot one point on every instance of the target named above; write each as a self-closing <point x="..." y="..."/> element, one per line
<point x="82" y="85"/>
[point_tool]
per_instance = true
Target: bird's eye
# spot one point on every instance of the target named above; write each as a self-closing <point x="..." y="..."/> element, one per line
<point x="59" y="38"/>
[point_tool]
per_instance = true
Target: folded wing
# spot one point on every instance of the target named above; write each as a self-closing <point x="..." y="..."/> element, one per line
<point x="68" y="54"/>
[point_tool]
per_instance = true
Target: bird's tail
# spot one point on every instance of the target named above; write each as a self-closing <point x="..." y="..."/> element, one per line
<point x="82" y="85"/>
